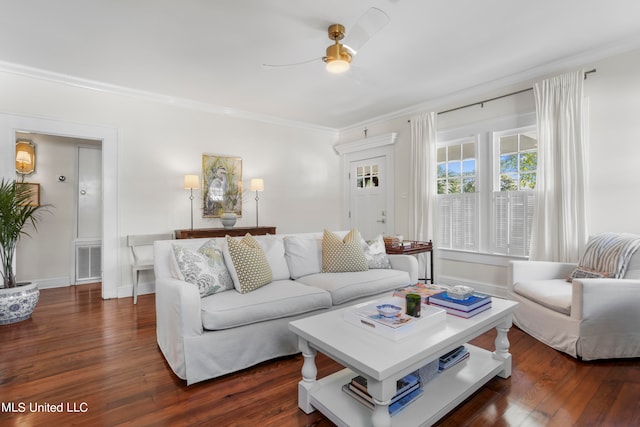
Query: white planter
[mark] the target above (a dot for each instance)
(17, 304)
(228, 219)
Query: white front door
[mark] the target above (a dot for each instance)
(368, 196)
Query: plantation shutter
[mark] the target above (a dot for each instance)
(458, 221)
(501, 222)
(513, 216)
(444, 222)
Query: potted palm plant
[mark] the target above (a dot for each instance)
(16, 301)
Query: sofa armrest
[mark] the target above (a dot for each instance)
(177, 309)
(537, 270)
(407, 263)
(606, 301)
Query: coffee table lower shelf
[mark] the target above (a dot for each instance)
(443, 393)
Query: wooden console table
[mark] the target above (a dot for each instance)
(221, 232)
(413, 249)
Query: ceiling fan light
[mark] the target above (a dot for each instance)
(337, 66)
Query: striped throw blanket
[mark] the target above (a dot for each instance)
(609, 253)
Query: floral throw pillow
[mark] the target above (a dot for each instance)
(217, 264)
(200, 270)
(375, 253)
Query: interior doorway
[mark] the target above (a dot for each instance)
(65, 249)
(110, 253)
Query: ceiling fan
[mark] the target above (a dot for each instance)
(338, 56)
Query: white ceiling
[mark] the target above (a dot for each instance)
(210, 52)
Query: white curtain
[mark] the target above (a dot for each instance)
(559, 229)
(422, 179)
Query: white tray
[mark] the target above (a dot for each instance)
(359, 315)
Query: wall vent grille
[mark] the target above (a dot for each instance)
(88, 262)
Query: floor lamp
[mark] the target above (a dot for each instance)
(191, 182)
(257, 184)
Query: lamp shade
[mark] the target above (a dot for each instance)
(257, 184)
(23, 157)
(191, 182)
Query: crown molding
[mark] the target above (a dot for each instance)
(366, 143)
(36, 73)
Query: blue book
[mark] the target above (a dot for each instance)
(474, 301)
(399, 405)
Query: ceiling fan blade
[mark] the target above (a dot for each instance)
(291, 65)
(372, 21)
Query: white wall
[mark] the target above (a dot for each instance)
(614, 153)
(158, 143)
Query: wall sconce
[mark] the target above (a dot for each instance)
(257, 184)
(191, 182)
(25, 157)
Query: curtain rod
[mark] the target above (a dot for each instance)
(481, 103)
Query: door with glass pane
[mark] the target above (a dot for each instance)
(368, 196)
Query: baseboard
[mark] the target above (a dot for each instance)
(126, 291)
(56, 282)
(486, 288)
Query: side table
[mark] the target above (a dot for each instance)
(412, 249)
(221, 232)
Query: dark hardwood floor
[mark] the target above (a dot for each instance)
(98, 361)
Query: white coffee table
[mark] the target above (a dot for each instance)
(383, 361)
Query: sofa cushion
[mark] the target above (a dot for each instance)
(554, 294)
(345, 287)
(250, 264)
(376, 253)
(273, 248)
(342, 255)
(206, 271)
(278, 299)
(303, 255)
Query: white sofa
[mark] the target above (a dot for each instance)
(594, 318)
(203, 338)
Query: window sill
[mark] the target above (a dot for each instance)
(477, 257)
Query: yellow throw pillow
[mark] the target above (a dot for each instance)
(342, 255)
(250, 263)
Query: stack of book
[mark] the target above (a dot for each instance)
(409, 388)
(466, 308)
(452, 358)
(425, 291)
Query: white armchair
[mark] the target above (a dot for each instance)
(587, 318)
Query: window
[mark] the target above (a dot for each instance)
(457, 195)
(485, 184)
(516, 159)
(367, 176)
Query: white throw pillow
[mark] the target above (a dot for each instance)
(273, 248)
(303, 255)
